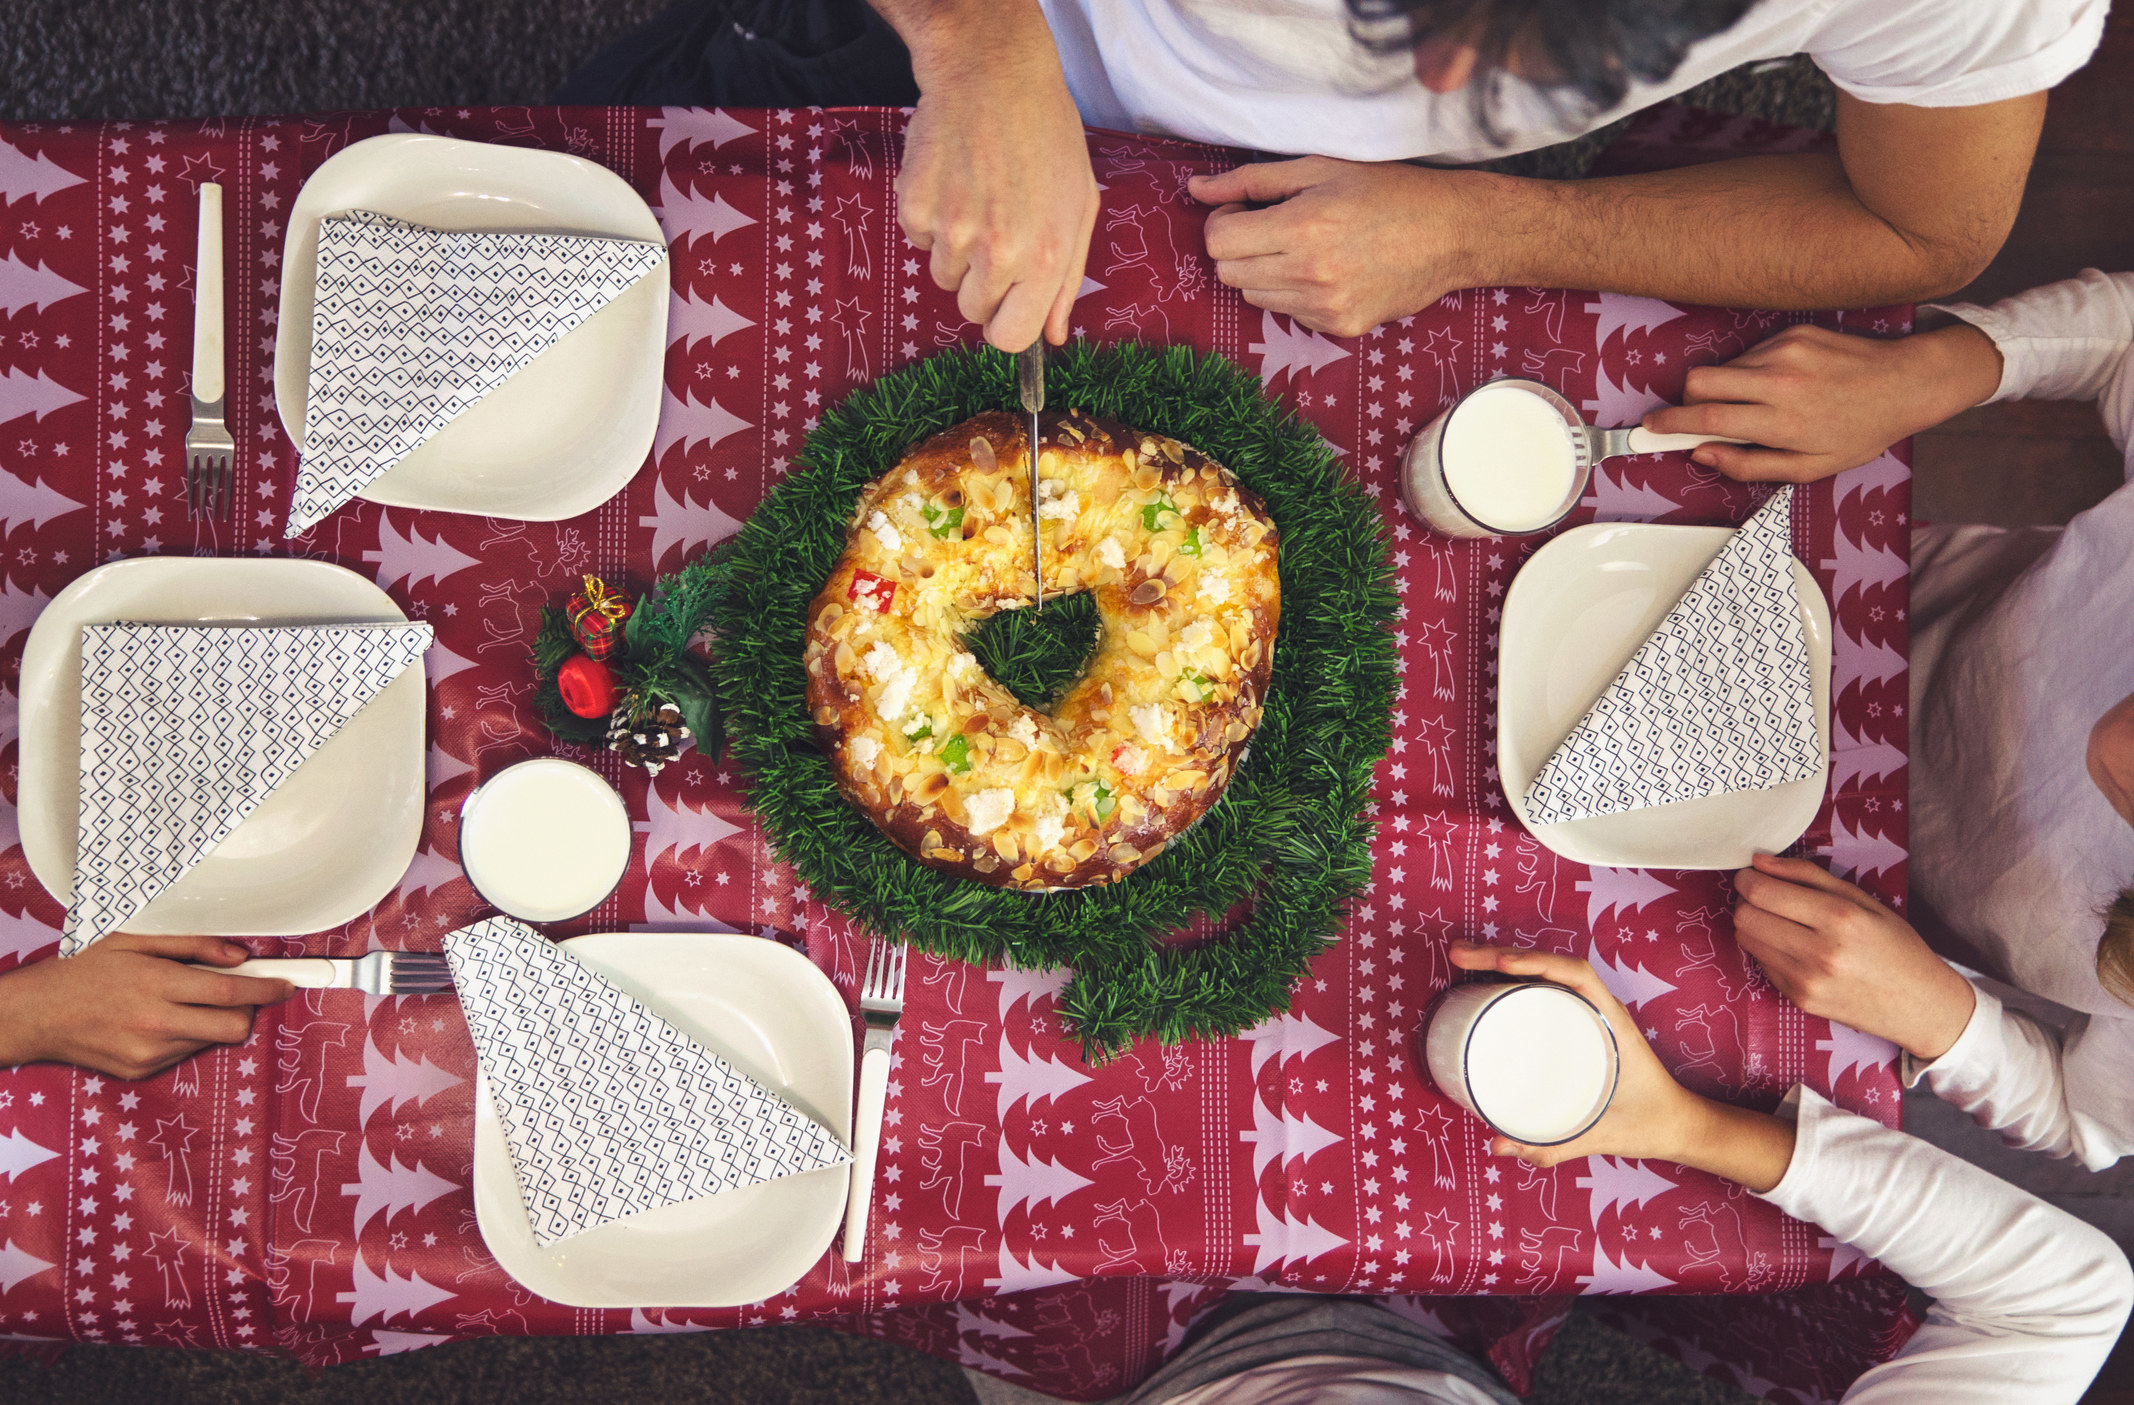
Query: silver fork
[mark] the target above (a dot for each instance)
(208, 445)
(881, 1006)
(379, 973)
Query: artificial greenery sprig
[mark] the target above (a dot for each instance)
(1272, 864)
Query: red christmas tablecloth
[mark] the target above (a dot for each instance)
(307, 1192)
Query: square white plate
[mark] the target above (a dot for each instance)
(769, 1012)
(327, 845)
(563, 435)
(1574, 615)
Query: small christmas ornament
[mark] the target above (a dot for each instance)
(597, 615)
(587, 686)
(649, 740)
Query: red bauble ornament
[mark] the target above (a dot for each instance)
(597, 615)
(587, 686)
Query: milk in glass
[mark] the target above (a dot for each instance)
(544, 840)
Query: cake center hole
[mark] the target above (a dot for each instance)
(1035, 654)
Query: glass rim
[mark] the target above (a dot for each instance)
(1615, 1058)
(1573, 422)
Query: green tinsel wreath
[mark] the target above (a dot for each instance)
(1268, 869)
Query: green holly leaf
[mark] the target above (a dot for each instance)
(698, 697)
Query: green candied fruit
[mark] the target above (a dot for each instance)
(1198, 687)
(956, 754)
(1191, 545)
(1152, 514)
(942, 521)
(1095, 797)
(919, 731)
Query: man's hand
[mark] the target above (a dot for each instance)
(1340, 246)
(996, 181)
(1651, 1114)
(129, 1006)
(1819, 402)
(1838, 953)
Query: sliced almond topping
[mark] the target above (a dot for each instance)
(1148, 592)
(1141, 642)
(1024, 873)
(932, 788)
(931, 839)
(844, 660)
(1082, 850)
(982, 457)
(1125, 853)
(1004, 844)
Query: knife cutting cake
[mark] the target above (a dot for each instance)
(1182, 562)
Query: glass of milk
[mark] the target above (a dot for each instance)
(1531, 1058)
(544, 840)
(1509, 458)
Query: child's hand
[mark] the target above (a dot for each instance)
(1651, 1114)
(129, 1006)
(1838, 953)
(1819, 402)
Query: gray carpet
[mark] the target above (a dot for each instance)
(94, 59)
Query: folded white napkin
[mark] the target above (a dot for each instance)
(410, 326)
(1718, 699)
(608, 1109)
(186, 728)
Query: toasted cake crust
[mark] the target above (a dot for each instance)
(1183, 563)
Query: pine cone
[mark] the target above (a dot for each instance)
(650, 740)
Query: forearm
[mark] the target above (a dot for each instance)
(1766, 231)
(21, 1035)
(1752, 1149)
(1008, 37)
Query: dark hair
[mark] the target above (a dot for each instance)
(1595, 48)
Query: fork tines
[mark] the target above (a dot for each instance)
(418, 972)
(885, 974)
(207, 483)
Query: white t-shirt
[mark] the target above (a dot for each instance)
(1288, 76)
(2021, 641)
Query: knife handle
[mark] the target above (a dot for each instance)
(207, 298)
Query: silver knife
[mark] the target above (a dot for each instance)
(1030, 373)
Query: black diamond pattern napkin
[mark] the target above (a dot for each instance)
(410, 326)
(1718, 699)
(608, 1109)
(186, 728)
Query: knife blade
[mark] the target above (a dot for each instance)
(1030, 375)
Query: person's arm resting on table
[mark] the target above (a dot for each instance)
(996, 183)
(1914, 204)
(1821, 402)
(2028, 1300)
(130, 1006)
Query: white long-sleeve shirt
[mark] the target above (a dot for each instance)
(2028, 1300)
(2021, 641)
